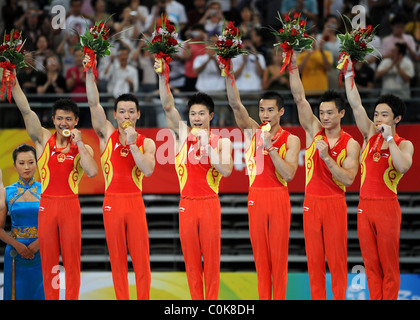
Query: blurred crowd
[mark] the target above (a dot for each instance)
(58, 63)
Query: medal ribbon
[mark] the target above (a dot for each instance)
(7, 83)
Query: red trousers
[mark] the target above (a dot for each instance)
(325, 229)
(269, 227)
(378, 227)
(59, 227)
(125, 225)
(199, 230)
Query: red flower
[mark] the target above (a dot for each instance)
(7, 37)
(157, 38)
(287, 18)
(228, 43)
(369, 30)
(231, 25)
(172, 41)
(16, 35)
(297, 15)
(294, 32)
(3, 47)
(18, 48)
(363, 45)
(302, 23)
(357, 38)
(305, 35)
(169, 27)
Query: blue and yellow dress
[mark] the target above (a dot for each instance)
(23, 277)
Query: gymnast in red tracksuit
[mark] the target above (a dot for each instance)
(272, 160)
(331, 164)
(202, 159)
(126, 157)
(385, 158)
(62, 160)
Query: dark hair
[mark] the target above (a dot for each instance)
(66, 105)
(23, 148)
(402, 48)
(127, 97)
(396, 104)
(272, 95)
(201, 98)
(334, 96)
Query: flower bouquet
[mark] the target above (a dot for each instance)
(292, 37)
(228, 46)
(94, 43)
(163, 45)
(354, 45)
(11, 57)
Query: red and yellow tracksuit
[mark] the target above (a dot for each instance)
(125, 217)
(59, 218)
(199, 217)
(269, 217)
(379, 219)
(325, 220)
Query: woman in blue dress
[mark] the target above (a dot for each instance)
(22, 262)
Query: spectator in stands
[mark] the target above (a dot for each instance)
(213, 18)
(127, 28)
(100, 10)
(396, 72)
(398, 35)
(273, 79)
(116, 7)
(12, 15)
(51, 81)
(76, 78)
(208, 73)
(177, 14)
(309, 9)
(76, 20)
(27, 76)
(42, 51)
(66, 50)
(140, 13)
(249, 69)
(30, 29)
(122, 77)
(248, 22)
(195, 14)
(194, 48)
(314, 65)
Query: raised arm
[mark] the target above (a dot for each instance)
(100, 124)
(241, 114)
(36, 132)
(307, 119)
(365, 125)
(173, 119)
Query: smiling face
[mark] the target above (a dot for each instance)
(329, 115)
(269, 111)
(126, 111)
(25, 165)
(200, 116)
(64, 120)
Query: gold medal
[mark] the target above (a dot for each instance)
(126, 124)
(195, 131)
(66, 132)
(376, 156)
(266, 127)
